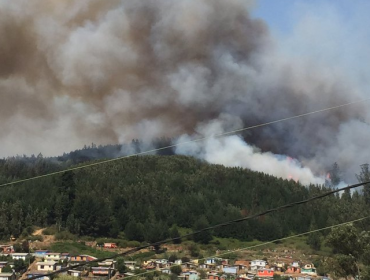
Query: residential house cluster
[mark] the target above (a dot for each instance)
(210, 268)
(219, 269)
(51, 261)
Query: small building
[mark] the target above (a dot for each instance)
(75, 273)
(257, 264)
(108, 263)
(265, 272)
(19, 256)
(293, 268)
(7, 276)
(39, 274)
(166, 271)
(130, 265)
(230, 269)
(213, 276)
(245, 277)
(3, 264)
(83, 258)
(213, 261)
(309, 269)
(40, 253)
(6, 249)
(45, 266)
(101, 271)
(189, 275)
(64, 256)
(110, 245)
(53, 257)
(242, 265)
(207, 266)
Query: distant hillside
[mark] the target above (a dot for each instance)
(144, 197)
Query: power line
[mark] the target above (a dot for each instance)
(185, 142)
(263, 244)
(133, 250)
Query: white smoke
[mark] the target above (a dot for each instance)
(233, 151)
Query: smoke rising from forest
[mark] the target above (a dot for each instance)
(76, 72)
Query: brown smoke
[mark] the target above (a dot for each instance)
(73, 72)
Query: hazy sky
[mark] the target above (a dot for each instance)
(76, 72)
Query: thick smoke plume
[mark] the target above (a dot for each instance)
(75, 72)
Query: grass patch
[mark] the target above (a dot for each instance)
(230, 243)
(75, 248)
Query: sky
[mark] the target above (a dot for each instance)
(282, 15)
(112, 71)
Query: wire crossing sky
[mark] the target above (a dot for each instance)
(187, 142)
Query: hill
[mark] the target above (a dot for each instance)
(146, 198)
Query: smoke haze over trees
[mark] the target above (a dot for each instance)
(148, 197)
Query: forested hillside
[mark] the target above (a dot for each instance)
(147, 197)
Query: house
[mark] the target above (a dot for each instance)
(213, 261)
(53, 257)
(242, 265)
(101, 271)
(206, 266)
(64, 256)
(108, 263)
(3, 264)
(130, 265)
(294, 268)
(75, 273)
(245, 277)
(82, 258)
(40, 253)
(148, 262)
(279, 267)
(7, 276)
(189, 266)
(257, 264)
(166, 271)
(39, 274)
(309, 269)
(161, 263)
(265, 272)
(304, 278)
(213, 276)
(230, 269)
(6, 249)
(19, 256)
(190, 275)
(110, 245)
(45, 266)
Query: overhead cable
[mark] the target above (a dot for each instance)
(136, 249)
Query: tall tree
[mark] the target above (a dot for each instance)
(203, 237)
(364, 176)
(335, 175)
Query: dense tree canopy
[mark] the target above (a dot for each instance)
(144, 197)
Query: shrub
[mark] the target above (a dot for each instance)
(50, 231)
(35, 237)
(65, 235)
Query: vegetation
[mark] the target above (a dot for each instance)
(75, 248)
(352, 252)
(143, 199)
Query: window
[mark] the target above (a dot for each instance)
(42, 266)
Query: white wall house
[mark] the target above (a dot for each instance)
(53, 257)
(45, 266)
(257, 264)
(19, 256)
